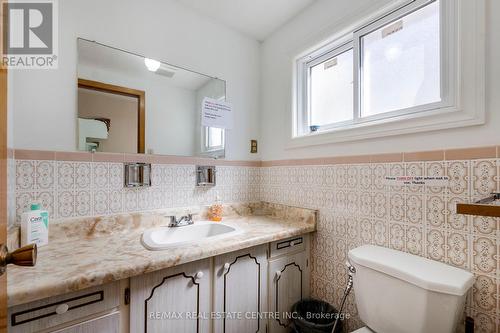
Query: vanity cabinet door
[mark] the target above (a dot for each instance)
(288, 283)
(173, 300)
(240, 291)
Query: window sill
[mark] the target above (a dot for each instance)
(434, 120)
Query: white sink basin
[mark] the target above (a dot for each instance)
(167, 237)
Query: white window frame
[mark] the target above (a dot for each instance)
(462, 77)
(206, 141)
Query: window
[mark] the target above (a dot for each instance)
(331, 88)
(399, 65)
(213, 139)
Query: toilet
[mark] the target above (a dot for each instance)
(397, 292)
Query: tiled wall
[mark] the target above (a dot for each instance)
(357, 207)
(75, 188)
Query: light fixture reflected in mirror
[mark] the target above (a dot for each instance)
(152, 64)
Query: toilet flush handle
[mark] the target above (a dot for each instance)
(350, 268)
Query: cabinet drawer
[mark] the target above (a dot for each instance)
(109, 323)
(293, 244)
(58, 310)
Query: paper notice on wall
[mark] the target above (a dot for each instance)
(440, 181)
(216, 113)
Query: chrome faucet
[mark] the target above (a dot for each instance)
(183, 221)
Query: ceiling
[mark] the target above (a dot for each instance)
(255, 18)
(99, 60)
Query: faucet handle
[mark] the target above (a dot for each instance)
(172, 218)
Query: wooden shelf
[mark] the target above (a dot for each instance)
(492, 210)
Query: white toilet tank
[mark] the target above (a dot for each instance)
(397, 292)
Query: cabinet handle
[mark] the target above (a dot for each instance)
(278, 274)
(226, 267)
(62, 308)
(199, 275)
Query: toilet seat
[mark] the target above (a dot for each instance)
(363, 330)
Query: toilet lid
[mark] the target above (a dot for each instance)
(363, 330)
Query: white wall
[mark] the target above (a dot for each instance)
(44, 101)
(315, 24)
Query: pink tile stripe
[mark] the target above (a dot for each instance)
(22, 154)
(435, 155)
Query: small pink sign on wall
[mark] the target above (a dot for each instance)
(441, 181)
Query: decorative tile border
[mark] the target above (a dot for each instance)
(22, 154)
(423, 156)
(420, 156)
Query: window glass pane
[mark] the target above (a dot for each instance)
(331, 90)
(401, 63)
(215, 137)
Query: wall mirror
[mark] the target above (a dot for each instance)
(131, 104)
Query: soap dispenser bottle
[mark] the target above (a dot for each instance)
(35, 226)
(215, 211)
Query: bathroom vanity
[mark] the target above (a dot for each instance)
(98, 277)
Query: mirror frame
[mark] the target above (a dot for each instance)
(141, 105)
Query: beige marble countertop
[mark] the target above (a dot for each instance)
(87, 252)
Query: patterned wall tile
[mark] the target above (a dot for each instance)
(436, 248)
(381, 233)
(415, 240)
(100, 175)
(415, 208)
(485, 255)
(45, 175)
(457, 222)
(83, 175)
(83, 203)
(459, 173)
(65, 204)
(435, 169)
(487, 226)
(397, 236)
(360, 208)
(457, 249)
(65, 176)
(68, 188)
(485, 322)
(25, 175)
(436, 210)
(485, 294)
(484, 177)
(415, 169)
(356, 207)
